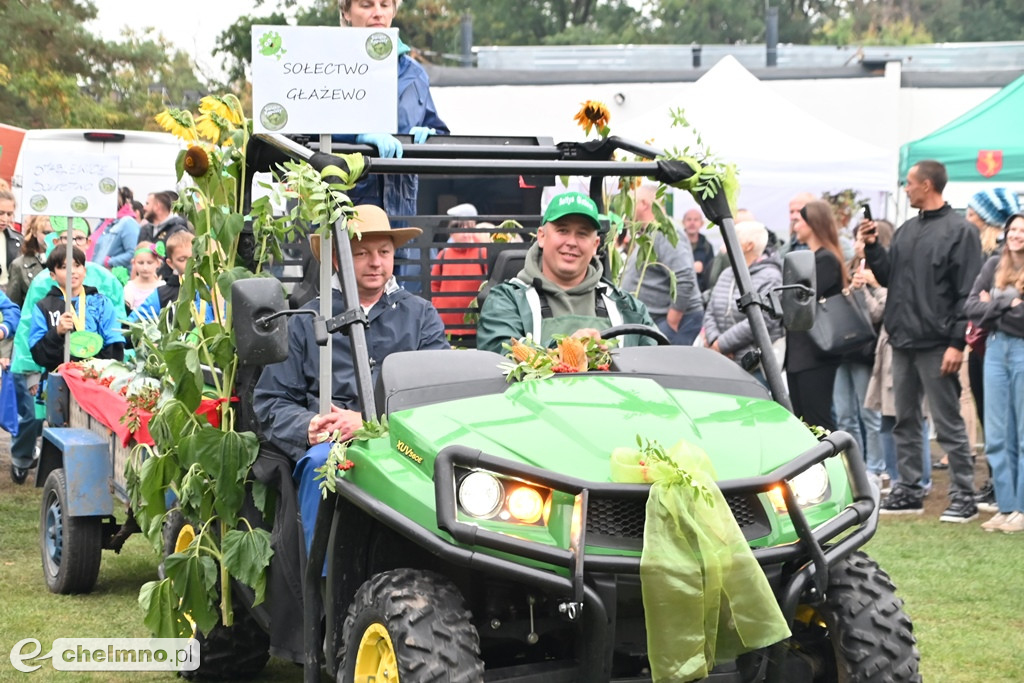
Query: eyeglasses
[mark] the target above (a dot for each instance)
(78, 239)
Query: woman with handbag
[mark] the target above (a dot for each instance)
(995, 304)
(811, 372)
(854, 373)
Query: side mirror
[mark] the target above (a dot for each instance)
(259, 340)
(799, 291)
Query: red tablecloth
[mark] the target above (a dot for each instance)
(108, 406)
(105, 405)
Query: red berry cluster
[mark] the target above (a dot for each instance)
(345, 466)
(563, 367)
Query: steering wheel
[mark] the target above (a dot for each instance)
(636, 328)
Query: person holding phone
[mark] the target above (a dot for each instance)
(929, 269)
(854, 373)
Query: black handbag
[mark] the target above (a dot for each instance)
(842, 323)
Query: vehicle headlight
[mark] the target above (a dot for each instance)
(481, 494)
(809, 488)
(525, 504)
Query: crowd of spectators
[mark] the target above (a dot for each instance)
(112, 274)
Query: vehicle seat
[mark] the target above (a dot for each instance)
(506, 266)
(409, 379)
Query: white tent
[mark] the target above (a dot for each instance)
(778, 147)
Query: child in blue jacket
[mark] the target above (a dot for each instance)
(92, 322)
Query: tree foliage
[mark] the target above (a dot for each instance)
(433, 27)
(56, 74)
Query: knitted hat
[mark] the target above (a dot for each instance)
(995, 206)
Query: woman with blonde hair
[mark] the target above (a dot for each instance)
(810, 372)
(988, 211)
(995, 305)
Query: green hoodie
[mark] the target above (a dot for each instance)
(507, 311)
(578, 300)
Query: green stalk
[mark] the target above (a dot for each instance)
(227, 614)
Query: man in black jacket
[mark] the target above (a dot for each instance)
(929, 270)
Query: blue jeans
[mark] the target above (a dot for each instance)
(688, 330)
(889, 450)
(309, 490)
(1004, 418)
(23, 446)
(851, 416)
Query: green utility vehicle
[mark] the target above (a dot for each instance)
(483, 537)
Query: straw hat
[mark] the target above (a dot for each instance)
(370, 220)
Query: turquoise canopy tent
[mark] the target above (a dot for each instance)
(985, 144)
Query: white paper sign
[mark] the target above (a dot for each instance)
(324, 79)
(69, 184)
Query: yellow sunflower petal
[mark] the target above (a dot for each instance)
(178, 122)
(212, 127)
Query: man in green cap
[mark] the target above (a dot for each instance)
(560, 288)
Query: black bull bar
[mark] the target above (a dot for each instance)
(810, 553)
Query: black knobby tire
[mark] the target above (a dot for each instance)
(174, 522)
(428, 625)
(870, 636)
(71, 547)
(238, 652)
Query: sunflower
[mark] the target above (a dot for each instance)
(178, 122)
(592, 113)
(213, 127)
(629, 183)
(197, 161)
(227, 107)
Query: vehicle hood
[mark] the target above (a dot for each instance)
(571, 424)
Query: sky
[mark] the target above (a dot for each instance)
(191, 25)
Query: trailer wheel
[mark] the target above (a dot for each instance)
(71, 546)
(860, 633)
(410, 626)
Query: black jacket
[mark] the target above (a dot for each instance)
(13, 238)
(999, 313)
(929, 270)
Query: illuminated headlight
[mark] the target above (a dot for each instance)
(809, 488)
(481, 494)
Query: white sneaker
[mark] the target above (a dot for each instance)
(876, 481)
(996, 522)
(1013, 524)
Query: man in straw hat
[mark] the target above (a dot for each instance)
(286, 399)
(560, 289)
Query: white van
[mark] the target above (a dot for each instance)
(146, 159)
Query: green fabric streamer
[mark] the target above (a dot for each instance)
(121, 273)
(706, 599)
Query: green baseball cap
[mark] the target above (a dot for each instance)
(570, 203)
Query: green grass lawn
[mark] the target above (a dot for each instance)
(963, 588)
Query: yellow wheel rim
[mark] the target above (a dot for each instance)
(185, 537)
(375, 658)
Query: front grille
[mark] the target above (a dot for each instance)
(623, 518)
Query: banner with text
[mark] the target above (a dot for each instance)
(324, 79)
(69, 184)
